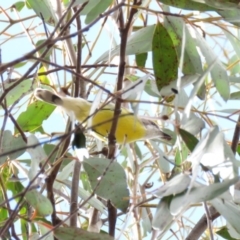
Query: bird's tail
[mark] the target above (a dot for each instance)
(153, 130)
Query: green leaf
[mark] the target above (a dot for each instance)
(72, 233)
(11, 143)
(232, 16)
(199, 193)
(43, 78)
(235, 95)
(160, 223)
(48, 148)
(44, 8)
(141, 59)
(21, 64)
(31, 120)
(189, 139)
(218, 72)
(223, 232)
(76, 3)
(164, 56)
(181, 154)
(40, 203)
(21, 90)
(192, 62)
(47, 57)
(139, 42)
(98, 8)
(113, 185)
(229, 210)
(19, 5)
(234, 62)
(188, 5)
(234, 42)
(176, 185)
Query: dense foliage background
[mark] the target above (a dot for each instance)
(181, 59)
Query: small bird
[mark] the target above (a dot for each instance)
(130, 128)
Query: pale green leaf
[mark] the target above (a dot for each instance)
(31, 120)
(40, 203)
(113, 185)
(73, 233)
(44, 8)
(164, 57)
(11, 143)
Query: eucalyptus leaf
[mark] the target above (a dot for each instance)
(218, 73)
(31, 120)
(229, 211)
(9, 145)
(176, 185)
(73, 233)
(164, 57)
(40, 203)
(44, 8)
(188, 5)
(37, 156)
(113, 185)
(138, 42)
(162, 218)
(191, 60)
(199, 194)
(18, 92)
(98, 8)
(83, 194)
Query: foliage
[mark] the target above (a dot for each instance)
(177, 63)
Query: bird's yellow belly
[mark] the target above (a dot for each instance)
(129, 128)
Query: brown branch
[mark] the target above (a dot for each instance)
(77, 81)
(124, 30)
(51, 178)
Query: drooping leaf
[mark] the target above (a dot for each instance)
(43, 78)
(83, 194)
(113, 185)
(189, 139)
(199, 193)
(18, 92)
(176, 185)
(164, 57)
(224, 233)
(159, 222)
(141, 59)
(45, 9)
(229, 211)
(72, 233)
(10, 144)
(31, 120)
(193, 124)
(19, 5)
(191, 61)
(231, 16)
(235, 95)
(98, 8)
(218, 72)
(234, 66)
(37, 156)
(188, 5)
(138, 42)
(40, 203)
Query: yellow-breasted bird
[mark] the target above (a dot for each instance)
(130, 128)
